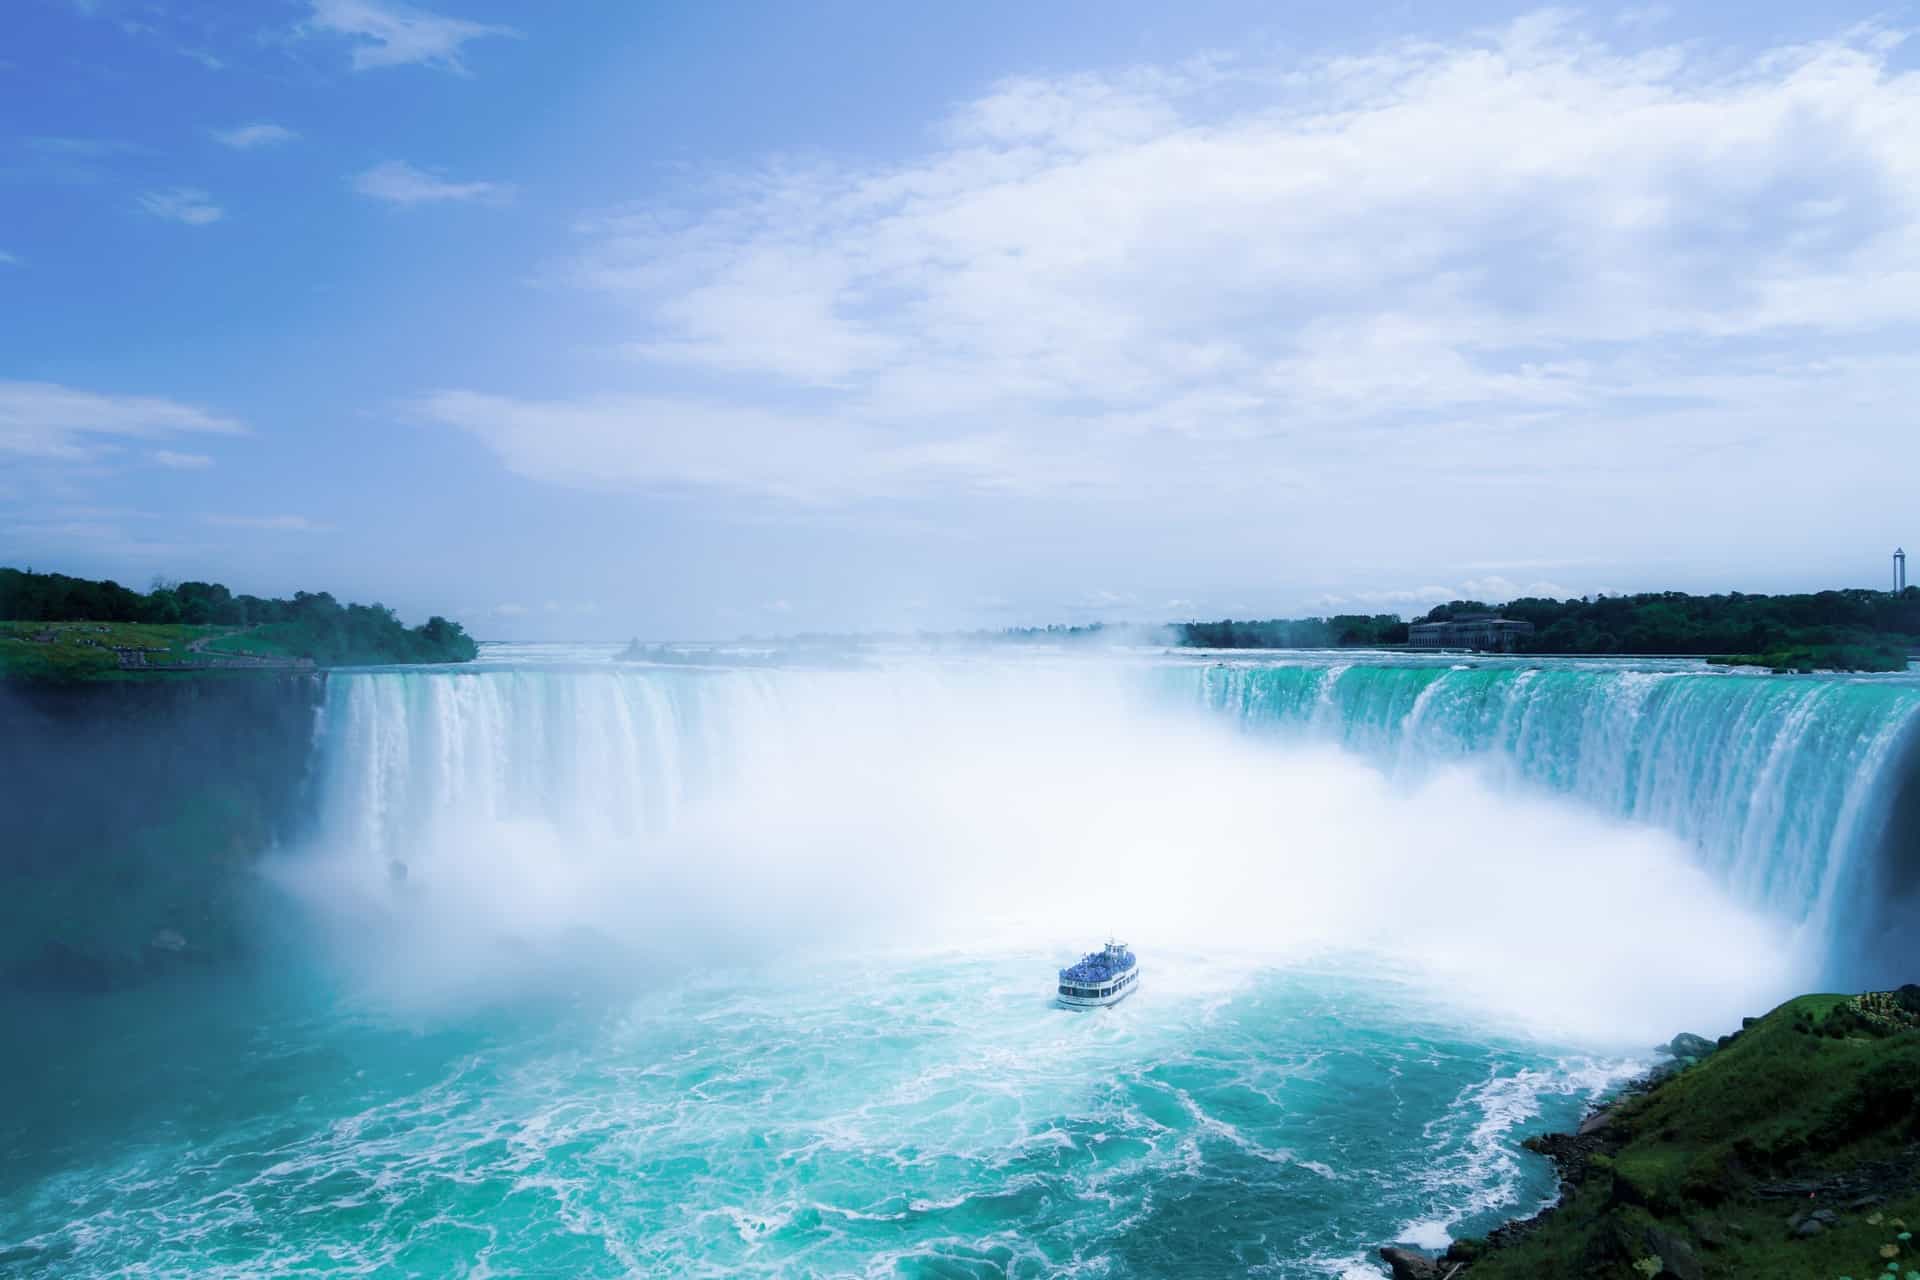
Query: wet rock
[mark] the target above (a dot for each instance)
(1808, 1223)
(1677, 1260)
(1688, 1045)
(1598, 1121)
(1410, 1264)
(1662, 1069)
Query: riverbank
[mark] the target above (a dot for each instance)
(67, 652)
(1789, 1148)
(60, 630)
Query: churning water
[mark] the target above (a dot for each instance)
(595, 970)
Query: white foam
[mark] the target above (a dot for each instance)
(724, 817)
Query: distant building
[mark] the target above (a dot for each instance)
(1470, 631)
(1899, 569)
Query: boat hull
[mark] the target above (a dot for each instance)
(1081, 996)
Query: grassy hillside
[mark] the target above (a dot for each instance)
(1791, 1151)
(89, 650)
(60, 628)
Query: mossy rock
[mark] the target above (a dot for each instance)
(1811, 1107)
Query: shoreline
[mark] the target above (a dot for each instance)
(1790, 1147)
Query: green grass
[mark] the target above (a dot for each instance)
(257, 642)
(1811, 1089)
(1830, 657)
(63, 652)
(85, 650)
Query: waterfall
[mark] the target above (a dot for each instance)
(1786, 789)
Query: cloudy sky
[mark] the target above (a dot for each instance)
(591, 320)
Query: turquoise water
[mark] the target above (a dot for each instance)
(585, 971)
(894, 1117)
(1773, 779)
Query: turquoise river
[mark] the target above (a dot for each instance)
(742, 966)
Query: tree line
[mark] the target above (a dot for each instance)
(1341, 631)
(1871, 630)
(1735, 623)
(310, 624)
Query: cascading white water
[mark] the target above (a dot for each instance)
(1382, 807)
(748, 971)
(1780, 784)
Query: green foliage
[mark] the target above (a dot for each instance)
(1342, 631)
(60, 652)
(1829, 657)
(316, 626)
(310, 625)
(1820, 1087)
(1852, 629)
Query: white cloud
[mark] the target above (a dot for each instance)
(620, 442)
(173, 461)
(509, 610)
(46, 420)
(1497, 265)
(183, 204)
(8, 259)
(250, 137)
(390, 35)
(398, 182)
(270, 524)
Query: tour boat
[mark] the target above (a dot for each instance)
(1101, 978)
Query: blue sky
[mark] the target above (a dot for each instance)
(591, 320)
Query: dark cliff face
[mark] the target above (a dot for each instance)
(133, 814)
(1879, 945)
